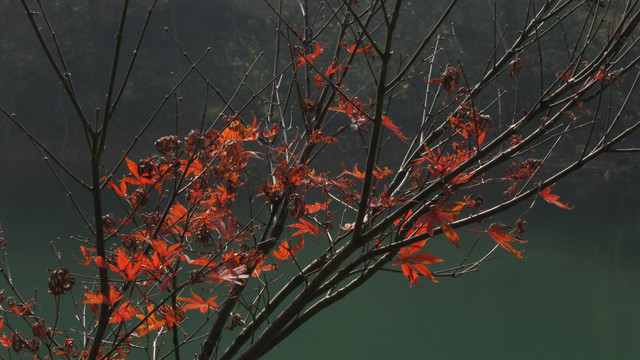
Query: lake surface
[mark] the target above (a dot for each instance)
(575, 294)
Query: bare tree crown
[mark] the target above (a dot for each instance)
(370, 136)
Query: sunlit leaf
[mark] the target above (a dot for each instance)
(553, 199)
(500, 233)
(413, 263)
(198, 303)
(386, 121)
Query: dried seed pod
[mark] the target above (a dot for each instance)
(61, 281)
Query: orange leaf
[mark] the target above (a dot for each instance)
(165, 252)
(310, 58)
(500, 233)
(386, 121)
(19, 308)
(177, 213)
(119, 190)
(125, 267)
(413, 263)
(133, 167)
(122, 313)
(317, 207)
(170, 316)
(304, 227)
(4, 340)
(449, 232)
(86, 259)
(152, 323)
(285, 251)
(355, 173)
(93, 299)
(438, 214)
(363, 49)
(198, 303)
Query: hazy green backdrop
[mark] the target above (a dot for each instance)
(575, 296)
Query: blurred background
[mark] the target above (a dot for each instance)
(574, 296)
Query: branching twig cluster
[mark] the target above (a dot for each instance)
(220, 219)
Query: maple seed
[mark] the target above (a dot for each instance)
(196, 277)
(515, 140)
(19, 344)
(139, 198)
(520, 226)
(474, 200)
(108, 223)
(40, 330)
(309, 106)
(146, 169)
(167, 145)
(449, 79)
(61, 281)
(194, 141)
(545, 122)
(515, 66)
(236, 320)
(520, 171)
(203, 236)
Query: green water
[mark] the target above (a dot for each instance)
(575, 295)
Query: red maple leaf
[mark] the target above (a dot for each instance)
(86, 259)
(94, 299)
(4, 340)
(386, 121)
(20, 308)
(501, 234)
(151, 322)
(354, 109)
(137, 179)
(285, 251)
(260, 267)
(119, 190)
(198, 303)
(170, 316)
(331, 69)
(413, 263)
(303, 227)
(310, 58)
(441, 165)
(442, 215)
(125, 267)
(122, 313)
(355, 173)
(165, 252)
(553, 199)
(449, 79)
(312, 208)
(363, 49)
